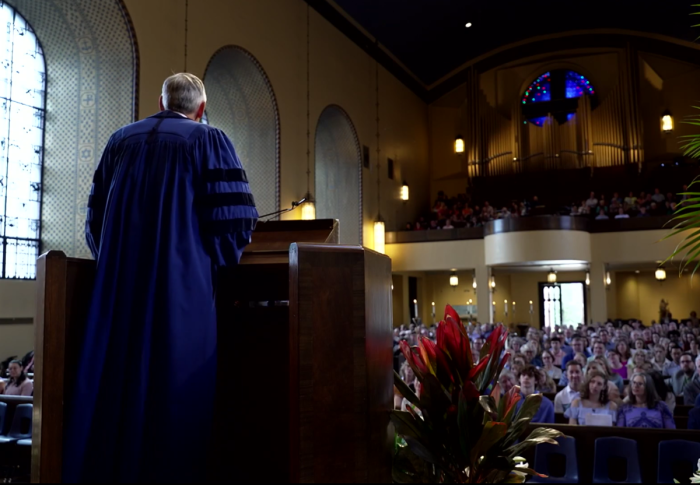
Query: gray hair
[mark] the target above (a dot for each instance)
(183, 93)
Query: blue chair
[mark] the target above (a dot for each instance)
(621, 448)
(543, 453)
(21, 428)
(673, 451)
(3, 415)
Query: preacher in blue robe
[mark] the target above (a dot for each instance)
(170, 203)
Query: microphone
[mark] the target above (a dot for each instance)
(282, 211)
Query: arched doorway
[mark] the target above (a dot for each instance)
(338, 180)
(241, 102)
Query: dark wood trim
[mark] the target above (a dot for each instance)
(47, 425)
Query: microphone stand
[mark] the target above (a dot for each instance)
(283, 211)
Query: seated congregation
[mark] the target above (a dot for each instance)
(623, 374)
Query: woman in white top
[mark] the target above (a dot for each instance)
(549, 368)
(593, 400)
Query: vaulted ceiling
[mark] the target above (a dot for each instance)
(430, 37)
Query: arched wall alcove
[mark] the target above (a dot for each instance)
(92, 70)
(338, 173)
(241, 102)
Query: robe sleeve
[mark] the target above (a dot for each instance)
(97, 200)
(226, 208)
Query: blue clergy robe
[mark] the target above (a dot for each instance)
(169, 204)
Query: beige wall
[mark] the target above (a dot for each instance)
(274, 31)
(16, 301)
(517, 247)
(639, 295)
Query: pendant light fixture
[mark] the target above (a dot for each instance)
(667, 122)
(404, 191)
(660, 273)
(454, 280)
(459, 144)
(308, 208)
(551, 276)
(379, 227)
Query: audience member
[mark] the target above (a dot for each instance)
(593, 399)
(552, 371)
(574, 374)
(528, 377)
(19, 384)
(692, 388)
(674, 365)
(684, 376)
(642, 408)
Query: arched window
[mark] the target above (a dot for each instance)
(22, 98)
(241, 102)
(338, 173)
(555, 92)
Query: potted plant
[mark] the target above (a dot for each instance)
(458, 426)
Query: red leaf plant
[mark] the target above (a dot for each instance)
(460, 425)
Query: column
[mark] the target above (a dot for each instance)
(483, 294)
(599, 294)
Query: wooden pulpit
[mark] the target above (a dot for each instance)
(305, 359)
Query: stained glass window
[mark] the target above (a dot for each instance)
(555, 92)
(577, 85)
(539, 91)
(22, 97)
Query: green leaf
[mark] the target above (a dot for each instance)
(539, 435)
(420, 450)
(405, 390)
(488, 403)
(530, 406)
(492, 433)
(405, 424)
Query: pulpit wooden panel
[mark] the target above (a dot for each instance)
(304, 375)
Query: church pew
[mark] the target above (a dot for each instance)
(12, 403)
(681, 410)
(647, 441)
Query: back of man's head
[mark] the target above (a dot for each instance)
(184, 93)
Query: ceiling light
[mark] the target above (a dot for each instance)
(551, 277)
(468, 24)
(660, 274)
(636, 271)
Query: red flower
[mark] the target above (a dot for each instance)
(414, 360)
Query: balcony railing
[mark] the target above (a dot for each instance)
(536, 223)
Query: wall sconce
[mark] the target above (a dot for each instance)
(608, 281)
(588, 278)
(308, 208)
(459, 144)
(505, 307)
(667, 122)
(404, 191)
(493, 282)
(379, 234)
(551, 276)
(474, 282)
(454, 280)
(660, 273)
